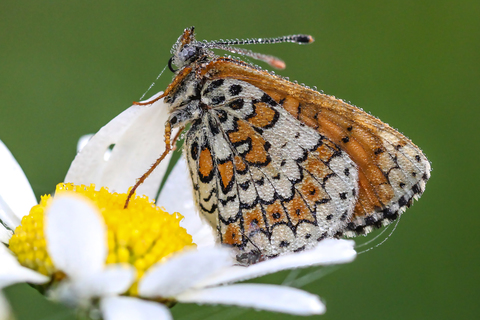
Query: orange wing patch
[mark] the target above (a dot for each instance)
(275, 213)
(253, 220)
(257, 153)
(205, 163)
(264, 116)
(316, 167)
(226, 173)
(290, 104)
(298, 210)
(239, 164)
(232, 234)
(312, 191)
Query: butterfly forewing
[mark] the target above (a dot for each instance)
(392, 170)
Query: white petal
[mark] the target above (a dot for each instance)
(12, 272)
(5, 310)
(112, 281)
(115, 279)
(137, 135)
(182, 271)
(177, 196)
(82, 142)
(5, 234)
(16, 195)
(328, 251)
(265, 297)
(76, 235)
(125, 308)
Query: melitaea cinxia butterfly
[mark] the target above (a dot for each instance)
(276, 166)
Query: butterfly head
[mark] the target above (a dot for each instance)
(186, 50)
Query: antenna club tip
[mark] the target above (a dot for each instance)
(305, 39)
(279, 64)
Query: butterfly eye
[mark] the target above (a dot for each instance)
(185, 56)
(187, 53)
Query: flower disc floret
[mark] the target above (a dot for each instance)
(140, 235)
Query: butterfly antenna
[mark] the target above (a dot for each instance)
(168, 147)
(271, 60)
(297, 38)
(153, 83)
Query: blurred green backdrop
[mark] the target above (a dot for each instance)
(67, 68)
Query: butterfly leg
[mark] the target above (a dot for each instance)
(168, 148)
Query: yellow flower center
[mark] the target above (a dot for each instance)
(140, 235)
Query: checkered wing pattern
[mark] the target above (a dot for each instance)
(262, 177)
(392, 171)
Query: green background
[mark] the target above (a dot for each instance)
(67, 68)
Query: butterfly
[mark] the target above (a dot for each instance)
(277, 167)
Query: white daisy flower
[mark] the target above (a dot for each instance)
(29, 259)
(16, 195)
(16, 199)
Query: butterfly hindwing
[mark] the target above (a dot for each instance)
(279, 183)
